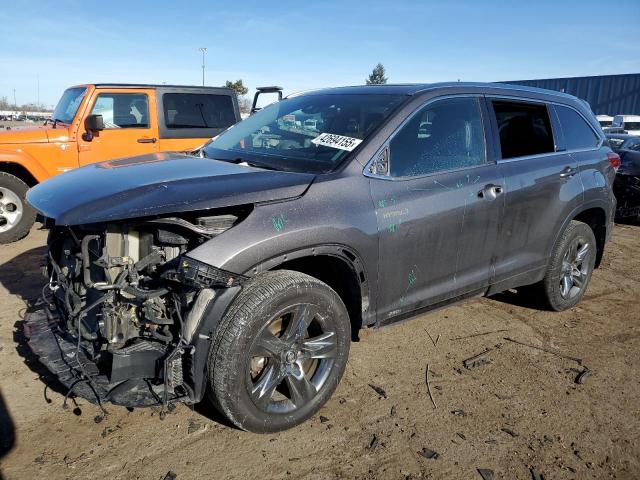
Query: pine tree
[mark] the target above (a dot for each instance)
(377, 76)
(238, 86)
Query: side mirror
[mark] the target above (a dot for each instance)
(93, 123)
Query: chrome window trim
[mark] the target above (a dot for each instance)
(478, 96)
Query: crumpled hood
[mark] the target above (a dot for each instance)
(158, 184)
(25, 135)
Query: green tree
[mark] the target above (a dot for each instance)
(377, 76)
(238, 86)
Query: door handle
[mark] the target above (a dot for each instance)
(147, 140)
(568, 172)
(490, 191)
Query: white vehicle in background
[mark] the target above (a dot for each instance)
(629, 123)
(604, 120)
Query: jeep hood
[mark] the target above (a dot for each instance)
(25, 135)
(158, 184)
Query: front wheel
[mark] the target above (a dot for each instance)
(569, 271)
(16, 215)
(279, 352)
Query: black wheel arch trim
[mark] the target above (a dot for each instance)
(591, 204)
(347, 254)
(203, 338)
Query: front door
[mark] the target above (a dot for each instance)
(439, 208)
(130, 127)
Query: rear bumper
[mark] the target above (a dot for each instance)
(58, 351)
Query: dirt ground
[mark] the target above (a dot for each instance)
(522, 410)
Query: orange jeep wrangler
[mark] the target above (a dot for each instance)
(99, 122)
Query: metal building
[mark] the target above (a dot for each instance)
(607, 94)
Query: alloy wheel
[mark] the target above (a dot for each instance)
(575, 268)
(291, 358)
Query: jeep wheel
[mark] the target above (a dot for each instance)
(16, 215)
(571, 266)
(279, 352)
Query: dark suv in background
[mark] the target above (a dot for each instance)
(244, 272)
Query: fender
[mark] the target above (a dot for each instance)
(224, 297)
(26, 161)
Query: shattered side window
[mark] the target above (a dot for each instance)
(443, 135)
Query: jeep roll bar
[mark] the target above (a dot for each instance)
(259, 90)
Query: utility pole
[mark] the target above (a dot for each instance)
(38, 78)
(204, 51)
(15, 104)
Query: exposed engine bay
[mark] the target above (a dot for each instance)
(128, 300)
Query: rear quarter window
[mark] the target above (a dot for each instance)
(577, 132)
(198, 110)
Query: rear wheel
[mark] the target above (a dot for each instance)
(280, 351)
(570, 269)
(16, 215)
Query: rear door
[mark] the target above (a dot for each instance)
(586, 146)
(542, 185)
(438, 207)
(130, 126)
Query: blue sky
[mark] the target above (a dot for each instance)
(301, 45)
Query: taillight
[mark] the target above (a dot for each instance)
(614, 160)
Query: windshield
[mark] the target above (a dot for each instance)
(632, 125)
(605, 123)
(68, 105)
(310, 133)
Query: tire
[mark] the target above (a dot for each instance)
(266, 376)
(16, 215)
(570, 268)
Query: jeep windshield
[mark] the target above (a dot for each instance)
(68, 105)
(310, 133)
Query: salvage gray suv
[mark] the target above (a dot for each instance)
(244, 271)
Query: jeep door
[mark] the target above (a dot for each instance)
(438, 207)
(542, 187)
(130, 126)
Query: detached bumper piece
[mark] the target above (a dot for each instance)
(123, 378)
(198, 274)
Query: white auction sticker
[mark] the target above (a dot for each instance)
(337, 141)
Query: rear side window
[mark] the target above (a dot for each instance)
(525, 129)
(443, 135)
(198, 110)
(577, 132)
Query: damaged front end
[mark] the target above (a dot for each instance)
(119, 317)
